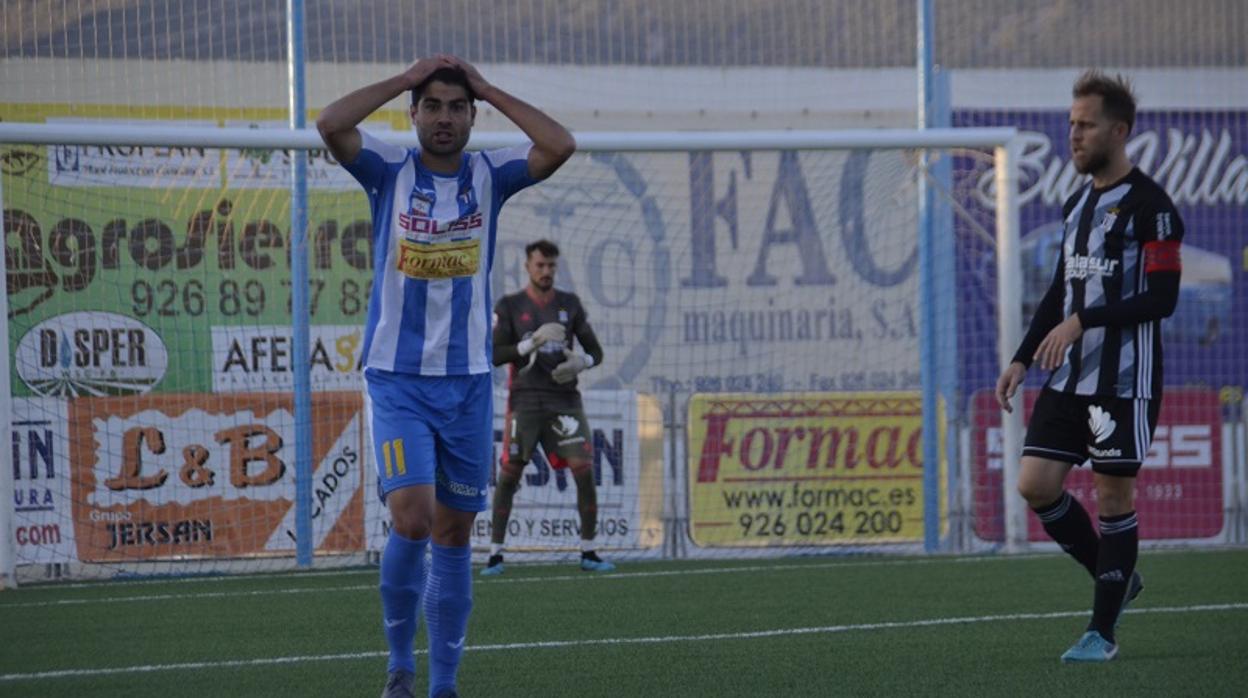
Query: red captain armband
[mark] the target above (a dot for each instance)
(1162, 255)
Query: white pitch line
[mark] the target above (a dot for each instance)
(511, 580)
(183, 597)
(614, 641)
(756, 568)
(192, 578)
(305, 574)
(840, 563)
(354, 571)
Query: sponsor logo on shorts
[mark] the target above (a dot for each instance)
(459, 488)
(1105, 453)
(566, 425)
(1101, 424)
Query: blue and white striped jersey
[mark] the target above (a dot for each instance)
(433, 246)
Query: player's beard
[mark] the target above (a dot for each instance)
(1094, 161)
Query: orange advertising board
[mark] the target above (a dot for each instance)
(177, 476)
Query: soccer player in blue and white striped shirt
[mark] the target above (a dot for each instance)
(427, 342)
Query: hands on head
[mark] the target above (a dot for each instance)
(420, 71)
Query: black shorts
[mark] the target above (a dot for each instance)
(1114, 433)
(556, 422)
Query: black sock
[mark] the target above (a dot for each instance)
(494, 560)
(590, 555)
(1068, 523)
(1120, 546)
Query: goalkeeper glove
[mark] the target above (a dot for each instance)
(572, 365)
(550, 332)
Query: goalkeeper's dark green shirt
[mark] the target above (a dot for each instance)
(517, 317)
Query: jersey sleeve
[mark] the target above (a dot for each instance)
(509, 168)
(1047, 316)
(1160, 231)
(584, 334)
(504, 335)
(580, 318)
(369, 167)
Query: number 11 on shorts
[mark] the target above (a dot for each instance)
(397, 461)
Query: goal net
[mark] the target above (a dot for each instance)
(736, 270)
(762, 300)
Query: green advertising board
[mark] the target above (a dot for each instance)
(106, 283)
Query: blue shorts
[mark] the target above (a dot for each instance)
(435, 430)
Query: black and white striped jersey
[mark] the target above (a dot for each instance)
(1119, 270)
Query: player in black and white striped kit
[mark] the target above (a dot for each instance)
(1098, 329)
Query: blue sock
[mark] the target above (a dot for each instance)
(448, 601)
(402, 580)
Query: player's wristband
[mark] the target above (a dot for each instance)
(525, 347)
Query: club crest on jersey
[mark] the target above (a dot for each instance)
(420, 203)
(1111, 216)
(467, 198)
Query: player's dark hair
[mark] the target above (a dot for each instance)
(1117, 98)
(546, 247)
(450, 76)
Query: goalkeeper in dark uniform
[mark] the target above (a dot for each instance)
(533, 332)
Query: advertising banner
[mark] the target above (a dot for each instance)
(1178, 491)
(189, 167)
(702, 272)
(125, 263)
(628, 474)
(806, 469)
(91, 353)
(184, 476)
(259, 358)
(43, 520)
(708, 272)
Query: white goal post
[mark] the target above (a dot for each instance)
(1004, 143)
